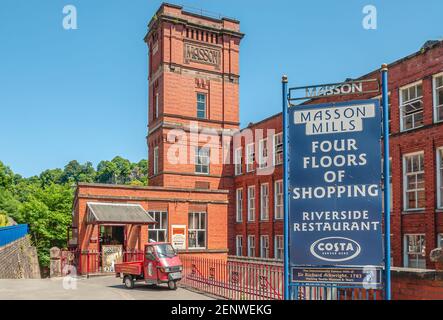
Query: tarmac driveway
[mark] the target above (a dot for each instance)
(94, 288)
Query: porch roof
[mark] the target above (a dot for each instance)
(117, 213)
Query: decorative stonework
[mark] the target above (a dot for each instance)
(202, 54)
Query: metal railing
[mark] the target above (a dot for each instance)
(230, 279)
(11, 233)
(233, 278)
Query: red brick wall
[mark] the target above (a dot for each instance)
(271, 227)
(410, 285)
(177, 202)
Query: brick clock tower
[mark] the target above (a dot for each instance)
(193, 89)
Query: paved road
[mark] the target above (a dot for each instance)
(95, 288)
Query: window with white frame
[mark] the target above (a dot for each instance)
(278, 149)
(263, 153)
(440, 240)
(413, 181)
(411, 106)
(238, 161)
(440, 178)
(278, 199)
(159, 231)
(239, 205)
(250, 157)
(201, 106)
(251, 246)
(438, 98)
(383, 184)
(197, 230)
(279, 247)
(264, 246)
(239, 245)
(202, 160)
(415, 251)
(264, 201)
(251, 203)
(155, 160)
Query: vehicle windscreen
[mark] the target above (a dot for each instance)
(165, 250)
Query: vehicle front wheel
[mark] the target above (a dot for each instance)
(129, 282)
(172, 285)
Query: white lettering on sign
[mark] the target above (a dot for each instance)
(338, 89)
(334, 120)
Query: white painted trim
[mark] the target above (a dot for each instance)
(116, 204)
(275, 198)
(237, 237)
(439, 165)
(247, 156)
(407, 86)
(405, 180)
(262, 237)
(236, 205)
(262, 164)
(400, 103)
(273, 148)
(247, 199)
(236, 161)
(405, 246)
(261, 199)
(434, 96)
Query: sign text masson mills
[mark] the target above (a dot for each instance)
(334, 179)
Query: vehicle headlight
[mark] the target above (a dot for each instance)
(167, 269)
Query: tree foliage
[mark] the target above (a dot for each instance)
(44, 202)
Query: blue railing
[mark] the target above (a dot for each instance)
(12, 233)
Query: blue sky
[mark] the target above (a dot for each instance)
(82, 94)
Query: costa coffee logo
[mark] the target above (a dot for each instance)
(335, 249)
(202, 54)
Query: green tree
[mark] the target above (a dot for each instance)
(72, 172)
(6, 176)
(106, 172)
(51, 176)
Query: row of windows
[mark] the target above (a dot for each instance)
(264, 202)
(411, 103)
(196, 228)
(413, 190)
(264, 246)
(264, 159)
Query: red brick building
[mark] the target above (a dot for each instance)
(193, 114)
(416, 150)
(223, 186)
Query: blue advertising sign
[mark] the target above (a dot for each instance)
(335, 208)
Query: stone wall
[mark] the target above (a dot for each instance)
(18, 260)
